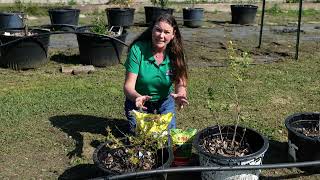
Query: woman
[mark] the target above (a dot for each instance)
(156, 71)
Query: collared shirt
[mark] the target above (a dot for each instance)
(153, 79)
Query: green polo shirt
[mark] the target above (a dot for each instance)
(153, 79)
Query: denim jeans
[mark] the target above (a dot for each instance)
(160, 107)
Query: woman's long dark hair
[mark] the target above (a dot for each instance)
(174, 48)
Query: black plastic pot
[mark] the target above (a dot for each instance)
(243, 14)
(301, 147)
(120, 16)
(165, 158)
(99, 50)
(11, 20)
(258, 144)
(64, 16)
(24, 52)
(152, 13)
(192, 17)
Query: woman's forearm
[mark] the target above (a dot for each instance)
(131, 94)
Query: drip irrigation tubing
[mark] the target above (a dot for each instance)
(212, 168)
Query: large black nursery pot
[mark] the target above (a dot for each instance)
(257, 143)
(98, 50)
(192, 17)
(25, 52)
(11, 20)
(120, 16)
(300, 146)
(243, 13)
(65, 19)
(153, 12)
(164, 160)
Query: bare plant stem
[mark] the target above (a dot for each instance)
(238, 117)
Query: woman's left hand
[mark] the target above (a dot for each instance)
(181, 100)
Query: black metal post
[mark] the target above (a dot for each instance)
(261, 24)
(298, 30)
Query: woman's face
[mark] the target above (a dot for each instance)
(162, 34)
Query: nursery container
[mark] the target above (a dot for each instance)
(243, 13)
(258, 144)
(99, 50)
(64, 18)
(120, 16)
(24, 52)
(164, 160)
(192, 17)
(152, 13)
(301, 147)
(11, 20)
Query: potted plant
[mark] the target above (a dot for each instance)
(148, 149)
(243, 13)
(120, 16)
(100, 46)
(231, 145)
(192, 17)
(159, 7)
(303, 138)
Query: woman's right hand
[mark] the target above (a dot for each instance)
(141, 100)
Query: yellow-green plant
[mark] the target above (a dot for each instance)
(144, 142)
(237, 64)
(99, 25)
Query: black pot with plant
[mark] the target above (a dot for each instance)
(99, 45)
(159, 7)
(304, 138)
(231, 145)
(21, 49)
(11, 20)
(121, 161)
(251, 149)
(100, 49)
(65, 19)
(243, 13)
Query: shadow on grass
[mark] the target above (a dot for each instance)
(66, 59)
(82, 171)
(74, 125)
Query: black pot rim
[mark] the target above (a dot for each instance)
(244, 6)
(262, 150)
(290, 119)
(193, 9)
(63, 10)
(12, 13)
(157, 7)
(120, 9)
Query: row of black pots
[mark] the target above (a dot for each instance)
(300, 148)
(27, 52)
(193, 17)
